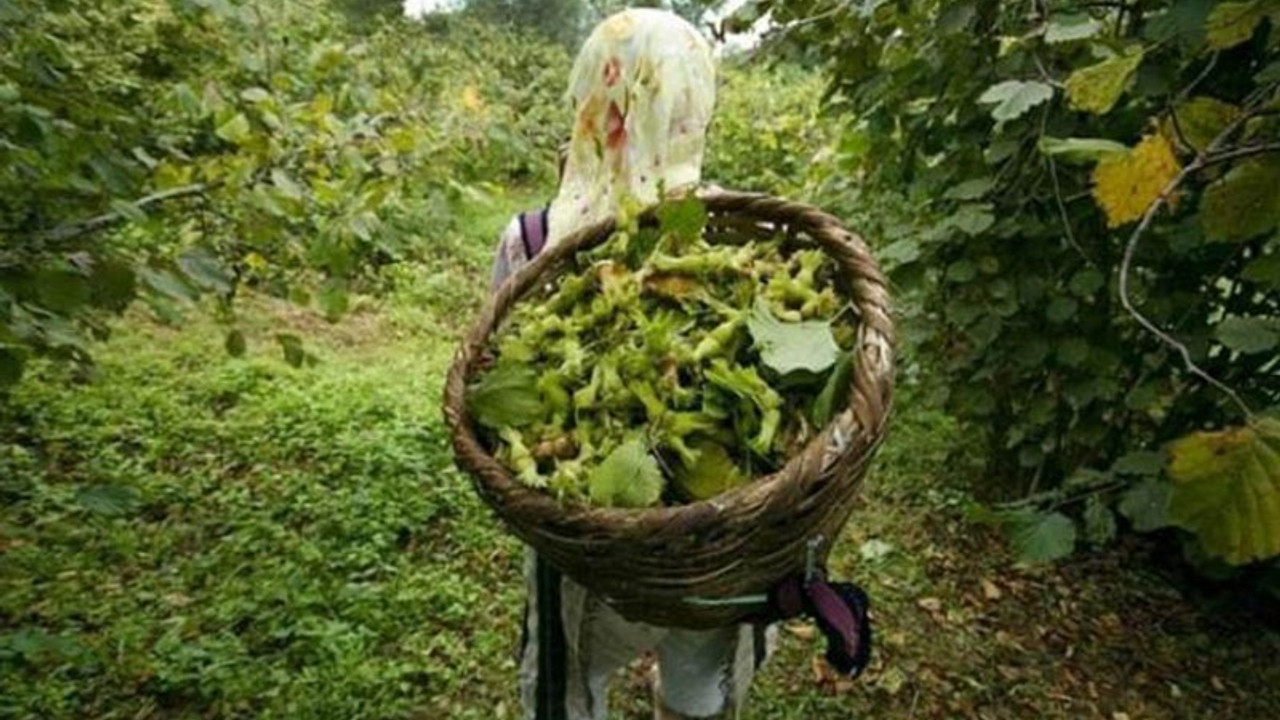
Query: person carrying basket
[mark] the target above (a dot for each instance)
(643, 87)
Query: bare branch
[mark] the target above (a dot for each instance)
(1241, 152)
(84, 227)
(1209, 156)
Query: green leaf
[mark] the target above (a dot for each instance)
(1269, 74)
(973, 189)
(1043, 537)
(1199, 121)
(1061, 309)
(255, 95)
(1096, 88)
(900, 252)
(1227, 490)
(236, 130)
(1232, 23)
(713, 474)
(1087, 479)
(12, 363)
(205, 271)
(62, 291)
(1147, 504)
(1182, 22)
(1079, 150)
(1244, 203)
(109, 500)
(286, 185)
(1073, 351)
(1013, 98)
(1069, 27)
(291, 346)
(235, 344)
(128, 210)
(962, 271)
(1139, 462)
(334, 301)
(628, 478)
(685, 218)
(835, 394)
(955, 17)
(1087, 282)
(1248, 335)
(790, 347)
(114, 284)
(973, 218)
(1264, 271)
(166, 283)
(506, 396)
(1099, 521)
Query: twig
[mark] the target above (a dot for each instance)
(83, 227)
(1126, 266)
(1241, 152)
(1057, 186)
(1062, 211)
(1208, 68)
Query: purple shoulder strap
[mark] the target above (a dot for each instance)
(533, 232)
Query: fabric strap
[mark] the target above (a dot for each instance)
(840, 611)
(550, 697)
(533, 232)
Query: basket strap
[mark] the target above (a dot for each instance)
(533, 232)
(840, 611)
(552, 660)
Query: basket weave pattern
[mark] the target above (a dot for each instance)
(650, 563)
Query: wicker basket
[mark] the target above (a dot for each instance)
(692, 565)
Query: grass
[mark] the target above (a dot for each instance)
(187, 535)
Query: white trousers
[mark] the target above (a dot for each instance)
(574, 643)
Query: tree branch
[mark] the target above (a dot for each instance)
(1209, 156)
(1241, 152)
(84, 227)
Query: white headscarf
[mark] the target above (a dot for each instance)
(644, 88)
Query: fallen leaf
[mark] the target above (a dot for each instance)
(990, 590)
(892, 681)
(933, 605)
(804, 632)
(874, 549)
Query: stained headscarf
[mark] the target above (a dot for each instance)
(644, 88)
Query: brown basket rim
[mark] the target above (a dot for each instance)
(501, 489)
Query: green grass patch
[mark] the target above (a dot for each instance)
(188, 535)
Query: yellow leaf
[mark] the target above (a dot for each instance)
(471, 99)
(1125, 184)
(1097, 87)
(1227, 490)
(255, 262)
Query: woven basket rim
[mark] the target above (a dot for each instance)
(568, 514)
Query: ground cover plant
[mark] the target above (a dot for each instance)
(238, 241)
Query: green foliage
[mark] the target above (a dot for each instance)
(997, 199)
(768, 133)
(173, 150)
(506, 396)
(791, 347)
(667, 335)
(231, 537)
(1226, 489)
(628, 478)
